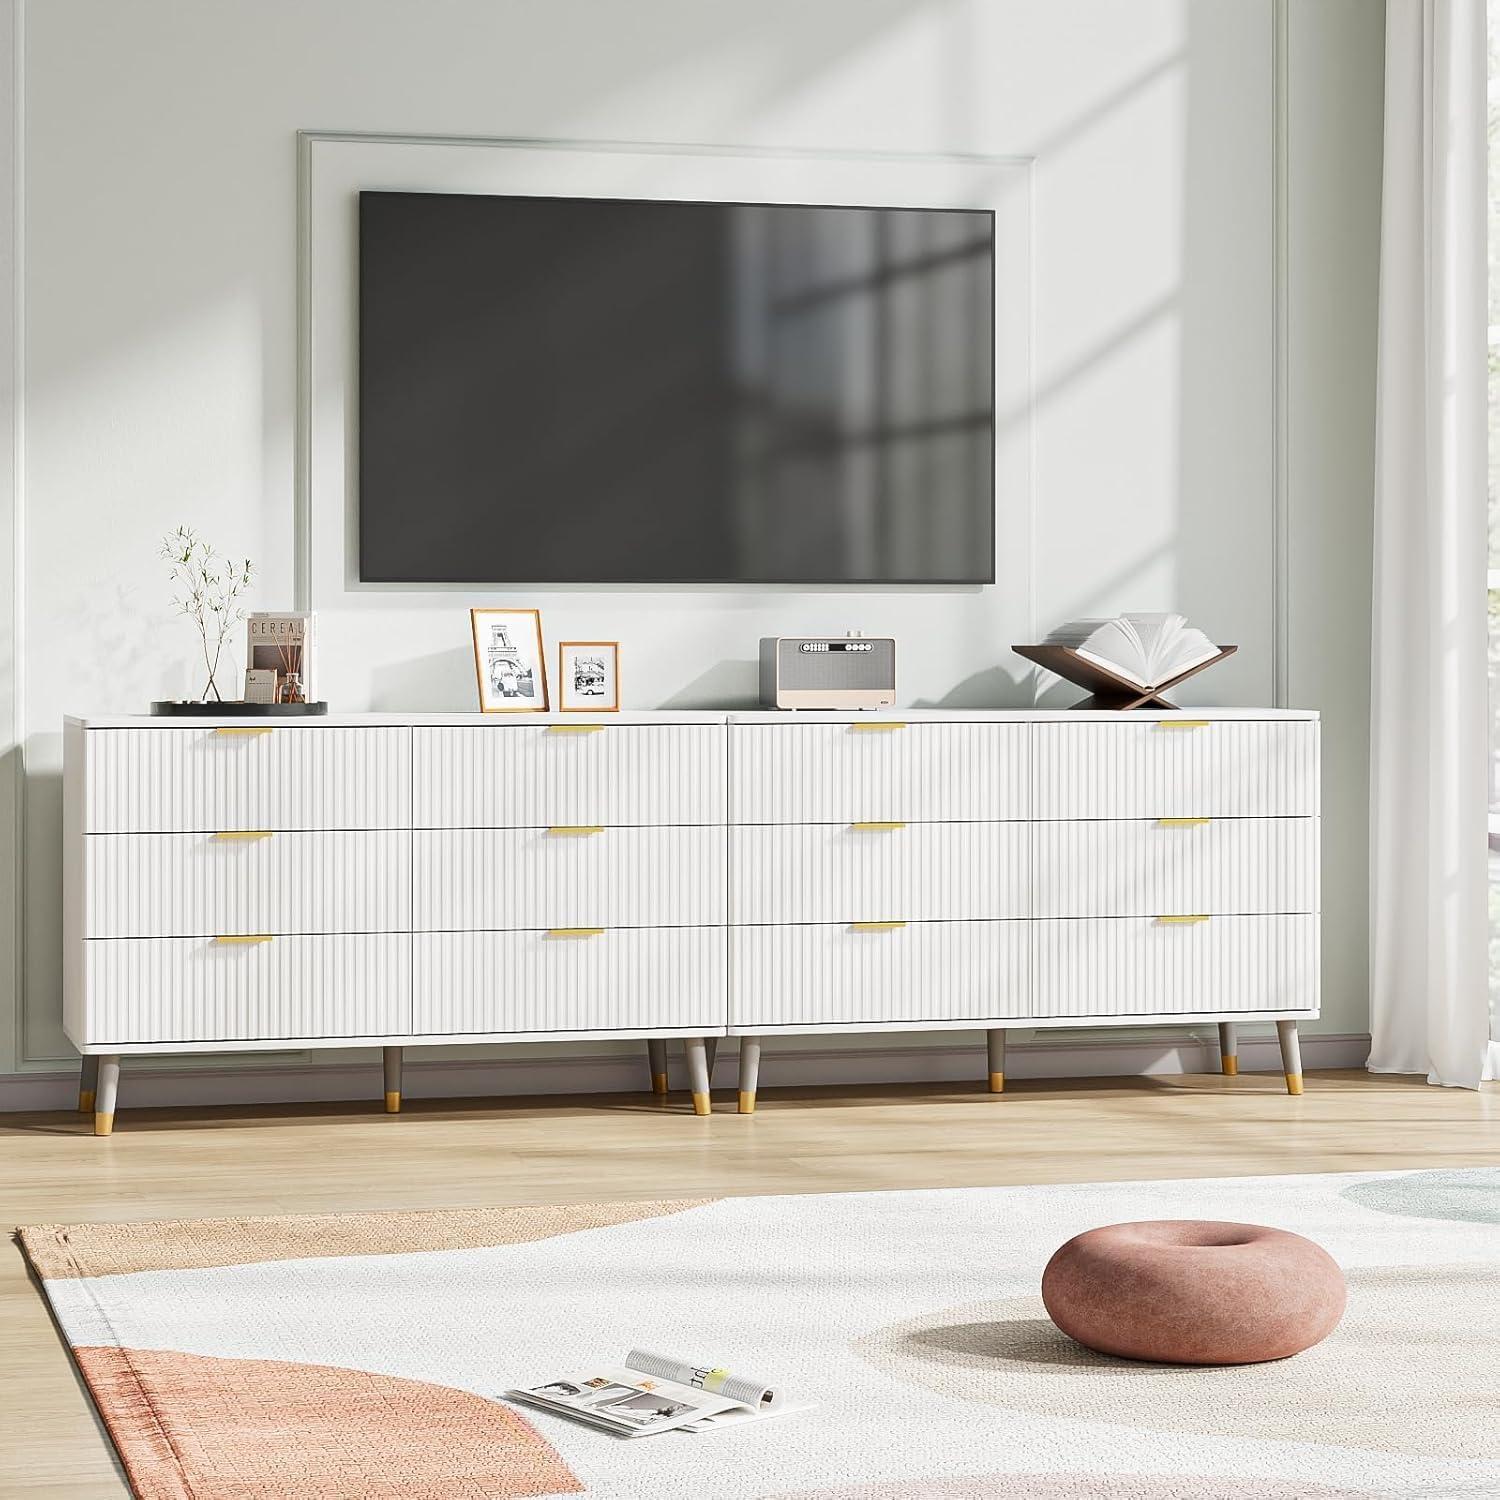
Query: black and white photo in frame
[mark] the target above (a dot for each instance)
(588, 677)
(508, 660)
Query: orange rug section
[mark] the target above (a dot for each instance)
(57, 1250)
(188, 1426)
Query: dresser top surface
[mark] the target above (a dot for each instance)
(749, 717)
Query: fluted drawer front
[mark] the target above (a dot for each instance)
(1226, 866)
(841, 773)
(201, 884)
(622, 979)
(177, 780)
(199, 990)
(824, 872)
(839, 975)
(569, 877)
(1140, 966)
(529, 776)
(1144, 769)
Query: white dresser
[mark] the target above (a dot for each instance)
(398, 880)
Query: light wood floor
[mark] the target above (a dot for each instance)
(203, 1163)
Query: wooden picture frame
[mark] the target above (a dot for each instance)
(602, 658)
(509, 661)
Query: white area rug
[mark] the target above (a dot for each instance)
(362, 1355)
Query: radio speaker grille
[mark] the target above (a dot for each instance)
(817, 671)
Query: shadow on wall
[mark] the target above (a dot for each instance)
(434, 683)
(728, 686)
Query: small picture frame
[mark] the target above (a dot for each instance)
(508, 663)
(588, 677)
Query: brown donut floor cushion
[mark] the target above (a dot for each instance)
(1194, 1292)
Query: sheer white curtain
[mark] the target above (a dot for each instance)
(1428, 835)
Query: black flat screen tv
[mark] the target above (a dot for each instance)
(583, 390)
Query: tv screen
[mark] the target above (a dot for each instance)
(567, 390)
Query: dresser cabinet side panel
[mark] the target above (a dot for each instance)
(75, 774)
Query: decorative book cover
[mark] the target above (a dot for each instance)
(281, 642)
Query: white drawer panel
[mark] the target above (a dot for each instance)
(198, 990)
(1225, 866)
(830, 872)
(179, 780)
(529, 877)
(529, 776)
(198, 884)
(626, 979)
(926, 971)
(842, 773)
(1145, 769)
(1128, 966)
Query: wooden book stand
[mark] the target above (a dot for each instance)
(1109, 690)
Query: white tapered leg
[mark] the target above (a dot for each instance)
(104, 1101)
(1291, 1055)
(1229, 1049)
(88, 1085)
(749, 1073)
(656, 1061)
(391, 1056)
(697, 1061)
(995, 1040)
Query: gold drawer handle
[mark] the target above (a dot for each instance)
(1183, 723)
(876, 827)
(1182, 822)
(249, 729)
(575, 831)
(879, 726)
(575, 932)
(243, 937)
(875, 926)
(1182, 921)
(226, 834)
(574, 728)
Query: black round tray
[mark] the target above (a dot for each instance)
(238, 710)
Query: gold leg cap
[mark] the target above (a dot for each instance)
(393, 1101)
(104, 1124)
(85, 1101)
(997, 1083)
(1230, 1065)
(700, 1104)
(1294, 1083)
(659, 1083)
(747, 1102)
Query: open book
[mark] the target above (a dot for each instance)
(1147, 650)
(652, 1393)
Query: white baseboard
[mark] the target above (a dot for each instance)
(786, 1062)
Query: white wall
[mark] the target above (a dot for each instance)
(157, 221)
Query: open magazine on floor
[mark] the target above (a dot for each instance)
(652, 1393)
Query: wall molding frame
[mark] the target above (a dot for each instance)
(787, 1065)
(305, 573)
(1281, 524)
(13, 1051)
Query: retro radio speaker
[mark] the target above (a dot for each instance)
(822, 671)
